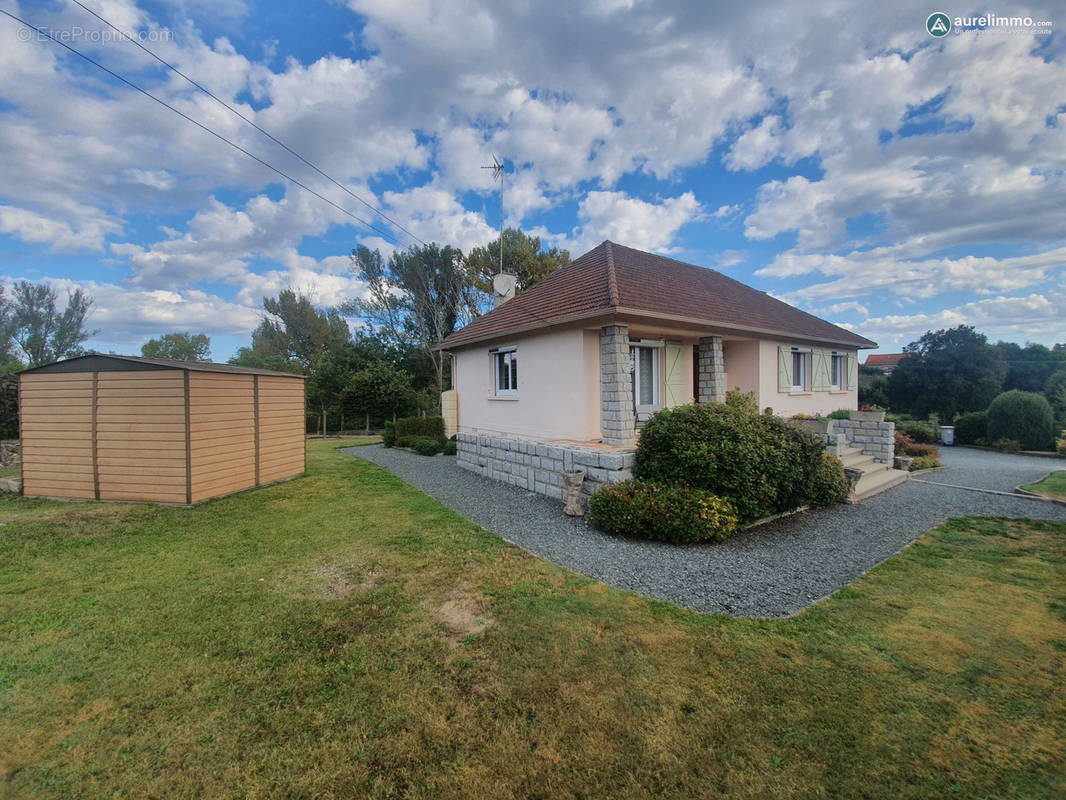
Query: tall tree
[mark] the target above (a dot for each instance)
(378, 392)
(40, 331)
(949, 372)
(179, 346)
(523, 256)
(419, 296)
(296, 329)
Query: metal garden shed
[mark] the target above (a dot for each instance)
(110, 427)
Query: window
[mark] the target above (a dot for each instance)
(836, 371)
(505, 371)
(799, 369)
(645, 378)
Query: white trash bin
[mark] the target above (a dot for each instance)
(947, 435)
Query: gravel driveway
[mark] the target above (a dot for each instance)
(773, 570)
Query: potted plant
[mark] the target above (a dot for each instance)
(868, 412)
(815, 423)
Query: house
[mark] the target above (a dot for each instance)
(111, 427)
(569, 369)
(885, 362)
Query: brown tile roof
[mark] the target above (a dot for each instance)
(613, 279)
(884, 359)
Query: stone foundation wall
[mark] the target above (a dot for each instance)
(538, 466)
(10, 452)
(875, 439)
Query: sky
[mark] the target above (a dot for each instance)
(835, 155)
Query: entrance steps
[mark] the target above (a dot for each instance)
(876, 477)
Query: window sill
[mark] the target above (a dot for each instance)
(839, 391)
(513, 397)
(799, 394)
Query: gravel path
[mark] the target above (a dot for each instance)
(983, 469)
(773, 570)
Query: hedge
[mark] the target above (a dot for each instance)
(388, 436)
(432, 427)
(830, 484)
(674, 514)
(758, 463)
(971, 427)
(424, 445)
(1022, 416)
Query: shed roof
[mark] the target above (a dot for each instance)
(109, 362)
(614, 279)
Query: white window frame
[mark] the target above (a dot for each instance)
(805, 369)
(656, 347)
(838, 362)
(501, 356)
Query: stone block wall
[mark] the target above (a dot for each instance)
(875, 439)
(710, 364)
(538, 466)
(10, 452)
(617, 423)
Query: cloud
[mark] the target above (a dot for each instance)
(631, 221)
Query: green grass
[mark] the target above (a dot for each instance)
(10, 471)
(1053, 486)
(342, 634)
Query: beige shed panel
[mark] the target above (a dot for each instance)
(126, 428)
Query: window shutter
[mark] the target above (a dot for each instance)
(820, 379)
(784, 369)
(675, 376)
(853, 370)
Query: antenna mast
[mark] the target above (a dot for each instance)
(498, 172)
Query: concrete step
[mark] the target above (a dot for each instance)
(872, 483)
(857, 460)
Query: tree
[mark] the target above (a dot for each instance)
(418, 297)
(523, 256)
(179, 346)
(42, 333)
(296, 329)
(1055, 392)
(1029, 367)
(379, 391)
(947, 371)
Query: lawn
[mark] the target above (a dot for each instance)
(342, 634)
(12, 471)
(1053, 486)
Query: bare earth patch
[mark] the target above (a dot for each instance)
(463, 614)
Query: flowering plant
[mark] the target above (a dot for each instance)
(870, 407)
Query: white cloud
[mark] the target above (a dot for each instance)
(631, 221)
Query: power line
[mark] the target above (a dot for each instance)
(266, 133)
(234, 145)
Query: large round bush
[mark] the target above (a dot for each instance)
(830, 484)
(673, 514)
(971, 427)
(759, 463)
(1025, 417)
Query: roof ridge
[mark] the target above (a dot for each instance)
(612, 280)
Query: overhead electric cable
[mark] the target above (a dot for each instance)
(266, 133)
(41, 32)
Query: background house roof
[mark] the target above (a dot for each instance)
(612, 278)
(108, 362)
(884, 359)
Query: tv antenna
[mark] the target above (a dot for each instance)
(498, 171)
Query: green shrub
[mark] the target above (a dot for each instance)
(1007, 445)
(742, 401)
(424, 445)
(830, 484)
(450, 447)
(1055, 392)
(674, 514)
(924, 462)
(432, 427)
(971, 427)
(759, 463)
(922, 432)
(1024, 416)
(388, 436)
(840, 413)
(905, 446)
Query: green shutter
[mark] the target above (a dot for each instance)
(675, 375)
(784, 369)
(820, 377)
(853, 370)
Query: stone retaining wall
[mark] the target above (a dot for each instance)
(10, 452)
(875, 439)
(538, 466)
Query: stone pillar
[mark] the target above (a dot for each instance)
(711, 366)
(617, 423)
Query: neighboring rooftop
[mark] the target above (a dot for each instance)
(884, 359)
(109, 362)
(614, 279)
